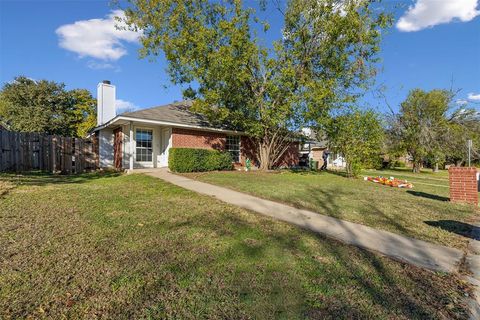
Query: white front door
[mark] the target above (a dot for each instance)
(165, 144)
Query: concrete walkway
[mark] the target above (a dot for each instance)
(413, 251)
(472, 263)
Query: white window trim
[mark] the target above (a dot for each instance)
(135, 147)
(239, 147)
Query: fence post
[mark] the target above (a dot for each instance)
(24, 151)
(46, 156)
(54, 154)
(16, 142)
(81, 153)
(9, 144)
(13, 151)
(40, 151)
(67, 154)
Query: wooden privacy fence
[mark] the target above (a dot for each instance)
(21, 151)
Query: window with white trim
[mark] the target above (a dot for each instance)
(233, 147)
(143, 138)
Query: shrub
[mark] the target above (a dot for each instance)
(196, 160)
(397, 164)
(400, 164)
(394, 164)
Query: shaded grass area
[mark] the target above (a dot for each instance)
(406, 212)
(122, 247)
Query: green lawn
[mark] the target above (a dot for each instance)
(131, 246)
(423, 212)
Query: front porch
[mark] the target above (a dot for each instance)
(136, 145)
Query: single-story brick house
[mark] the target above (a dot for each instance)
(142, 139)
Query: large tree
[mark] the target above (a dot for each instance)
(422, 125)
(268, 90)
(84, 113)
(429, 129)
(464, 125)
(43, 106)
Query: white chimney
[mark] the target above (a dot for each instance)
(105, 102)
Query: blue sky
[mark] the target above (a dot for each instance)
(434, 44)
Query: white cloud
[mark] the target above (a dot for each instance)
(474, 96)
(99, 65)
(428, 13)
(461, 102)
(97, 38)
(125, 106)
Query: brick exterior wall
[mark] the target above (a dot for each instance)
(317, 155)
(290, 157)
(186, 138)
(463, 185)
(247, 151)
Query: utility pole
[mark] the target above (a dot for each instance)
(469, 144)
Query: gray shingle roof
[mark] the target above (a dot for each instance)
(177, 112)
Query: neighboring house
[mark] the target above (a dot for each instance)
(313, 149)
(142, 139)
(336, 160)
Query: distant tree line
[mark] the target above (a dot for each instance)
(432, 131)
(28, 105)
(428, 130)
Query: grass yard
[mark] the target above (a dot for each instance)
(132, 246)
(423, 212)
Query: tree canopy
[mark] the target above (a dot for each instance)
(45, 106)
(429, 131)
(464, 125)
(325, 53)
(358, 136)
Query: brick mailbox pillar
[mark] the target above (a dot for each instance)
(463, 184)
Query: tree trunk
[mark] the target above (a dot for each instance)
(264, 157)
(271, 148)
(416, 167)
(435, 167)
(349, 169)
